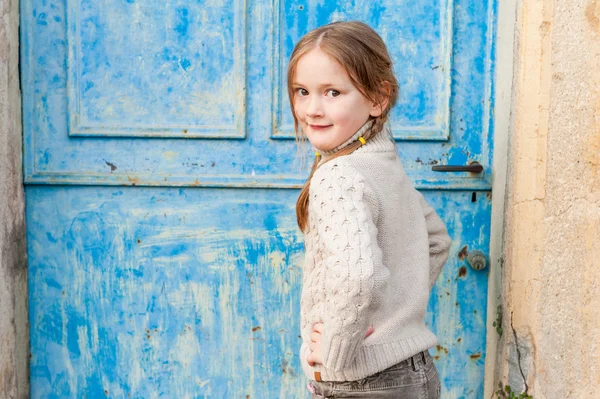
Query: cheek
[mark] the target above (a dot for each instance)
(299, 109)
(344, 116)
(347, 111)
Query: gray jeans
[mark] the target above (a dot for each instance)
(413, 378)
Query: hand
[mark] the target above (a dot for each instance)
(315, 355)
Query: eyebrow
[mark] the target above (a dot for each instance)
(321, 86)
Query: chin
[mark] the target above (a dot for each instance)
(317, 141)
(320, 145)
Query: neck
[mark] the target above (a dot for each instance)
(359, 133)
(379, 142)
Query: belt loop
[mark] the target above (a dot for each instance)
(412, 361)
(424, 357)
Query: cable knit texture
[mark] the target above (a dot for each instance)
(374, 249)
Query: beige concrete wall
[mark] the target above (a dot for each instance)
(551, 273)
(13, 266)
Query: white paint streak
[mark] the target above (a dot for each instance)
(86, 357)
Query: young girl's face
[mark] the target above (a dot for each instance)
(329, 108)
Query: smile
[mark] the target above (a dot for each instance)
(319, 127)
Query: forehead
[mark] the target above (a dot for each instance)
(316, 67)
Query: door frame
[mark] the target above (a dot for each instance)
(507, 14)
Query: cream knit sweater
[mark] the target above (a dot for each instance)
(374, 249)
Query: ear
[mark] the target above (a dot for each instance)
(384, 98)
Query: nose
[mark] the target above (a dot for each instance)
(314, 108)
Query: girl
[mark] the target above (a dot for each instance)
(374, 248)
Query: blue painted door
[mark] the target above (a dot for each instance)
(161, 178)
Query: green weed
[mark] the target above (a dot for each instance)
(507, 393)
(498, 322)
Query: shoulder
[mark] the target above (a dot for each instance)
(339, 180)
(337, 173)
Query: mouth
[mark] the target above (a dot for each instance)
(319, 127)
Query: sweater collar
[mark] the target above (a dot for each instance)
(382, 142)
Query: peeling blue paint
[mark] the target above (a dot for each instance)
(138, 272)
(130, 102)
(136, 286)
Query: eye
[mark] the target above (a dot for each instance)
(301, 92)
(333, 93)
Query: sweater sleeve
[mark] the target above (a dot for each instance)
(439, 240)
(352, 259)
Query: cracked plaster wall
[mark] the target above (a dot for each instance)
(13, 264)
(551, 273)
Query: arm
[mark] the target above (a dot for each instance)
(439, 240)
(352, 262)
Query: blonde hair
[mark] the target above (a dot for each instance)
(364, 56)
